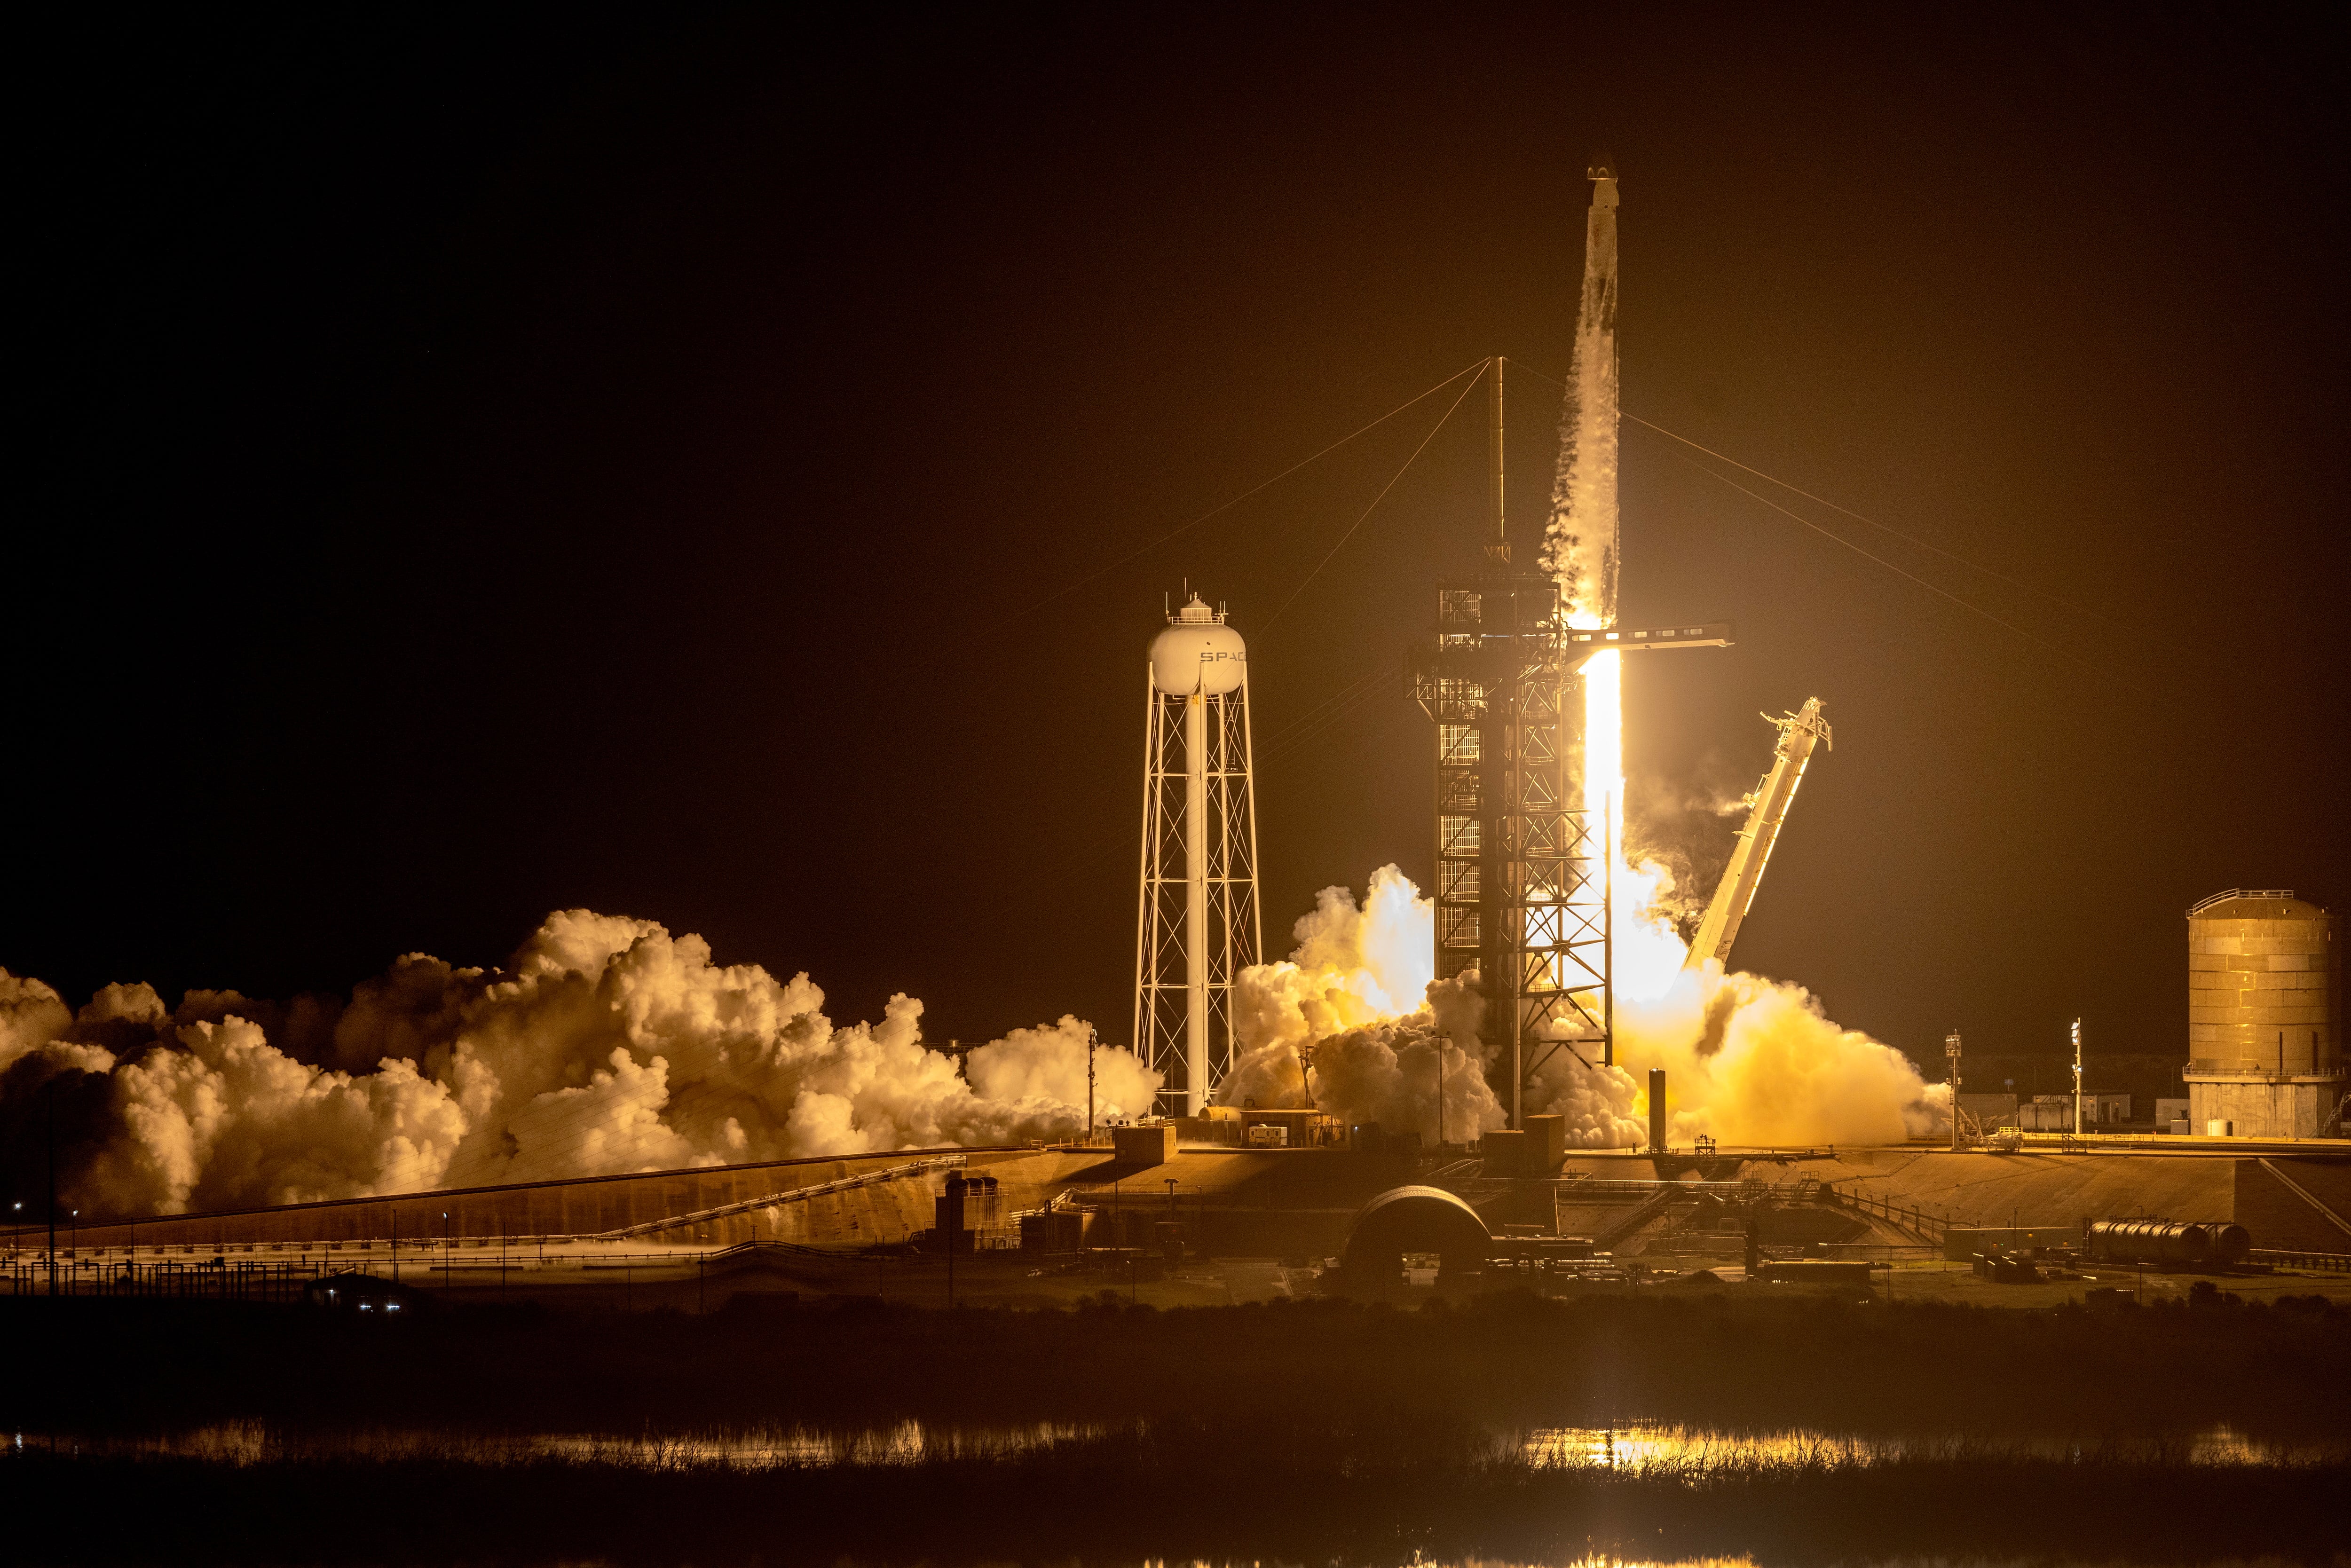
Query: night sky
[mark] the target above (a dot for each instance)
(695, 467)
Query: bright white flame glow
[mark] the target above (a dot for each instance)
(1648, 951)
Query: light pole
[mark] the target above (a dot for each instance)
(2077, 1078)
(1951, 1052)
(49, 1106)
(1089, 1082)
(444, 1250)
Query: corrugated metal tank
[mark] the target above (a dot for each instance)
(2168, 1242)
(2264, 986)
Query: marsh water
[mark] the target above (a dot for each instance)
(1786, 1435)
(1634, 1447)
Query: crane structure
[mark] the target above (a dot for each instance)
(1767, 809)
(1523, 878)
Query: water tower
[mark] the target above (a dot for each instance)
(1199, 926)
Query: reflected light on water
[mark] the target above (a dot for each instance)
(904, 1443)
(1635, 1448)
(1643, 1446)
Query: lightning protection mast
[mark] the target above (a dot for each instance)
(1199, 926)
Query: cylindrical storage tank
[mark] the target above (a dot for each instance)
(2226, 1242)
(2264, 986)
(2153, 1240)
(1198, 653)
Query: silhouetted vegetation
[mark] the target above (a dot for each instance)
(1235, 1489)
(94, 1367)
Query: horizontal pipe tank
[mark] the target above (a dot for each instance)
(2168, 1241)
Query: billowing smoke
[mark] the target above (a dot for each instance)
(603, 1045)
(1355, 1022)
(1749, 1060)
(1685, 829)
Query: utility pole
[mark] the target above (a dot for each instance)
(953, 1204)
(1440, 1094)
(2077, 1078)
(49, 1102)
(1951, 1053)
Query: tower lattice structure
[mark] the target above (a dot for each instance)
(1522, 866)
(1200, 924)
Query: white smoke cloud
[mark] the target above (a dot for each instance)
(1049, 1063)
(1752, 1060)
(1747, 1060)
(225, 1117)
(1358, 1006)
(604, 1045)
(32, 1014)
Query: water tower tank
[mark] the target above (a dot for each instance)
(1198, 653)
(2265, 1015)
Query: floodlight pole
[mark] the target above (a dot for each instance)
(49, 1104)
(2077, 1078)
(1951, 1053)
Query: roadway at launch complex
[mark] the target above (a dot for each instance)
(1204, 1225)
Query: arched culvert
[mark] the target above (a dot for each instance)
(1414, 1219)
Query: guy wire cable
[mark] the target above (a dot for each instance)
(1224, 506)
(1358, 523)
(2055, 598)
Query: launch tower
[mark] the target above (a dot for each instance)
(1523, 880)
(1521, 867)
(1199, 926)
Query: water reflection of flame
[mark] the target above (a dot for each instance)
(1647, 1447)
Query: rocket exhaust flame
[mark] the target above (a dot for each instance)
(1749, 1060)
(607, 1045)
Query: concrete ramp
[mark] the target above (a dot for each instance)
(1992, 1189)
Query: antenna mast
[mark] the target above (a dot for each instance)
(1498, 548)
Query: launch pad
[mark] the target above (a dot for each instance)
(1524, 851)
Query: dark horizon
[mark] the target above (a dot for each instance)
(480, 469)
